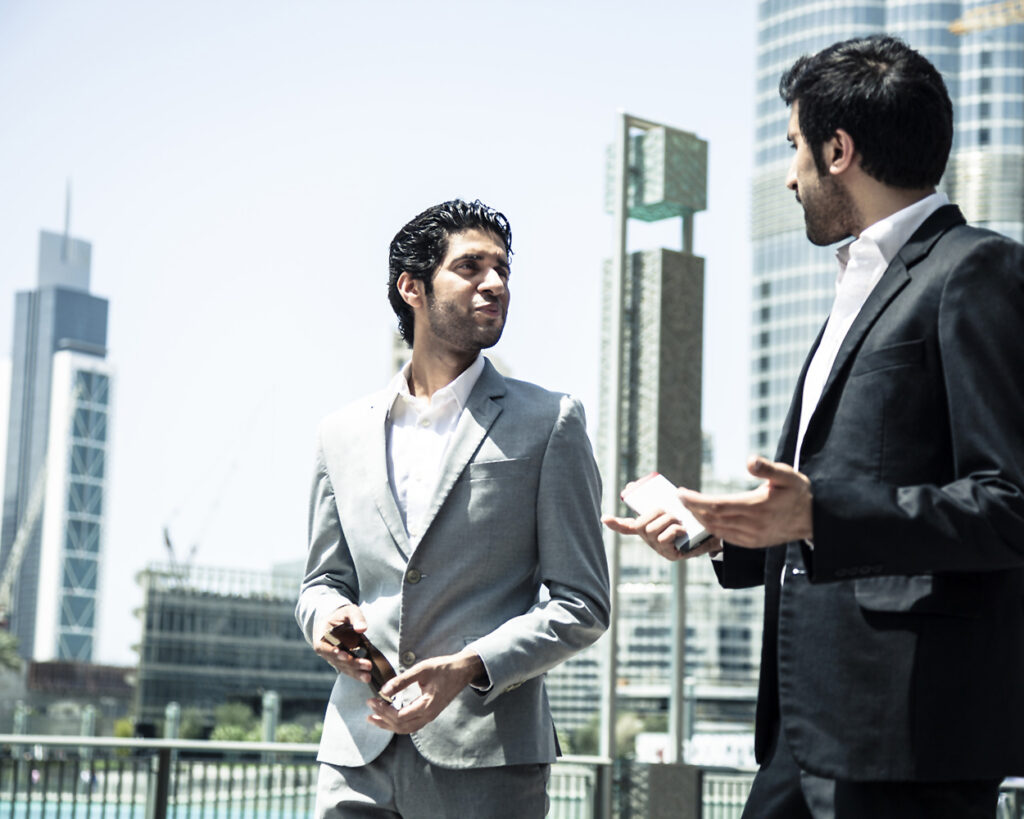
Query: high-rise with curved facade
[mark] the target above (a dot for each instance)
(793, 281)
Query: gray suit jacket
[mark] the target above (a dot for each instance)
(511, 563)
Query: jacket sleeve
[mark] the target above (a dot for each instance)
(740, 568)
(571, 565)
(330, 578)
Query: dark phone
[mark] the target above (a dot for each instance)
(347, 639)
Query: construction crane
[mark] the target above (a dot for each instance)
(994, 15)
(29, 521)
(28, 524)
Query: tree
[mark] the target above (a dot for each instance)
(194, 723)
(234, 722)
(9, 657)
(628, 724)
(291, 732)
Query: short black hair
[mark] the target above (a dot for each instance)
(886, 96)
(419, 248)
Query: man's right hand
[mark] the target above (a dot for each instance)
(660, 531)
(339, 659)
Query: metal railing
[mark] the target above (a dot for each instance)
(46, 777)
(49, 777)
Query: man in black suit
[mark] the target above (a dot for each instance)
(892, 669)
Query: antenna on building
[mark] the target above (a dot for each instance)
(67, 222)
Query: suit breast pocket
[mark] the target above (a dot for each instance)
(501, 494)
(511, 469)
(903, 354)
(884, 419)
(497, 502)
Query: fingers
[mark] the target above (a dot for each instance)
(401, 718)
(349, 613)
(343, 662)
(659, 530)
(624, 526)
(408, 720)
(711, 546)
(339, 659)
(773, 471)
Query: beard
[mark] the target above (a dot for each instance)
(451, 325)
(829, 212)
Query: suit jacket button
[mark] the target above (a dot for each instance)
(413, 576)
(408, 658)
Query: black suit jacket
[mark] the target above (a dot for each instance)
(894, 650)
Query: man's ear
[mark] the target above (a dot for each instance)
(839, 152)
(410, 289)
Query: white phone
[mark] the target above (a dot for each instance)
(655, 491)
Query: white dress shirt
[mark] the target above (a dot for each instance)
(419, 430)
(861, 265)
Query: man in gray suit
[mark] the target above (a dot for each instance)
(454, 522)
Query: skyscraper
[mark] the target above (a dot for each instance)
(659, 314)
(57, 444)
(793, 281)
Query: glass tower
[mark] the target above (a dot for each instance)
(55, 469)
(793, 281)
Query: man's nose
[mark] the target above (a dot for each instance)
(791, 176)
(493, 281)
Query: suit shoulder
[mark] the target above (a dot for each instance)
(977, 251)
(526, 396)
(344, 417)
(970, 239)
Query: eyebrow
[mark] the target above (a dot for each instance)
(477, 256)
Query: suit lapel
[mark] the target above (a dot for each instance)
(481, 410)
(787, 441)
(380, 485)
(895, 278)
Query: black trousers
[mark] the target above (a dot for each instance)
(782, 791)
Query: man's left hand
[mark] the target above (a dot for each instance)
(778, 511)
(440, 679)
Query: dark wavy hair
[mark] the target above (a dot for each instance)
(419, 248)
(886, 96)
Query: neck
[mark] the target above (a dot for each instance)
(877, 202)
(432, 369)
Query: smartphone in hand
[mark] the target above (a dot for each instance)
(353, 642)
(655, 491)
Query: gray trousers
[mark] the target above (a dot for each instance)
(401, 783)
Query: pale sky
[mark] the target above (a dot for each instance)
(240, 166)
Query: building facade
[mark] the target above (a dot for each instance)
(55, 469)
(212, 636)
(793, 281)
